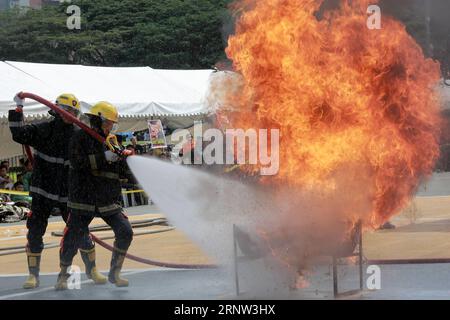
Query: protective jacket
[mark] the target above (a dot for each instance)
(50, 141)
(94, 183)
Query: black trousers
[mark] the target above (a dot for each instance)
(78, 229)
(37, 222)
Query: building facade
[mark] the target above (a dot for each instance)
(35, 4)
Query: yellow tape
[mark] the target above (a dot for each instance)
(133, 191)
(24, 193)
(17, 193)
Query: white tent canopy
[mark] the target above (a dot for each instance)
(177, 96)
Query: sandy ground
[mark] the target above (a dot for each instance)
(422, 231)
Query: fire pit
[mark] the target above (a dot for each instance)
(253, 247)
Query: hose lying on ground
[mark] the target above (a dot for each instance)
(154, 262)
(134, 224)
(13, 250)
(21, 249)
(105, 227)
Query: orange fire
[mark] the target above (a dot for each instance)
(356, 108)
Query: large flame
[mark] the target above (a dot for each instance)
(352, 104)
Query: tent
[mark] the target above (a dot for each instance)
(140, 93)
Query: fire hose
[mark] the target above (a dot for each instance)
(98, 137)
(63, 113)
(21, 249)
(99, 241)
(103, 227)
(154, 262)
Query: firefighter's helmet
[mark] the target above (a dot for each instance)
(68, 100)
(105, 111)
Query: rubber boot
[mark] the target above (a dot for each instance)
(117, 259)
(92, 273)
(61, 283)
(34, 261)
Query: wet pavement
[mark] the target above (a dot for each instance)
(425, 281)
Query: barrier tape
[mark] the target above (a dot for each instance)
(133, 191)
(16, 193)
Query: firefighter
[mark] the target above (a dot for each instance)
(48, 188)
(95, 191)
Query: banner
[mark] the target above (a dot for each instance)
(157, 137)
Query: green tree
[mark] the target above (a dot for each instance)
(165, 33)
(162, 34)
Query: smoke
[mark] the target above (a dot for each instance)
(287, 226)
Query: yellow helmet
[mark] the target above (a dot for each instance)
(105, 110)
(68, 100)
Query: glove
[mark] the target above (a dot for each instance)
(111, 156)
(18, 101)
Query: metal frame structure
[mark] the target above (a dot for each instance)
(358, 254)
(336, 293)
